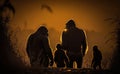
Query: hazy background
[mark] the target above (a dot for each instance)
(88, 15)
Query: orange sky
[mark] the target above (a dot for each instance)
(88, 15)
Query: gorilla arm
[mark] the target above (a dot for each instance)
(48, 49)
(84, 44)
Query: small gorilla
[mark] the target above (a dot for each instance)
(97, 57)
(60, 57)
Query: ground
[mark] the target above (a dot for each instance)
(59, 71)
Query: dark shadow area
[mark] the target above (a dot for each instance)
(8, 59)
(59, 71)
(115, 65)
